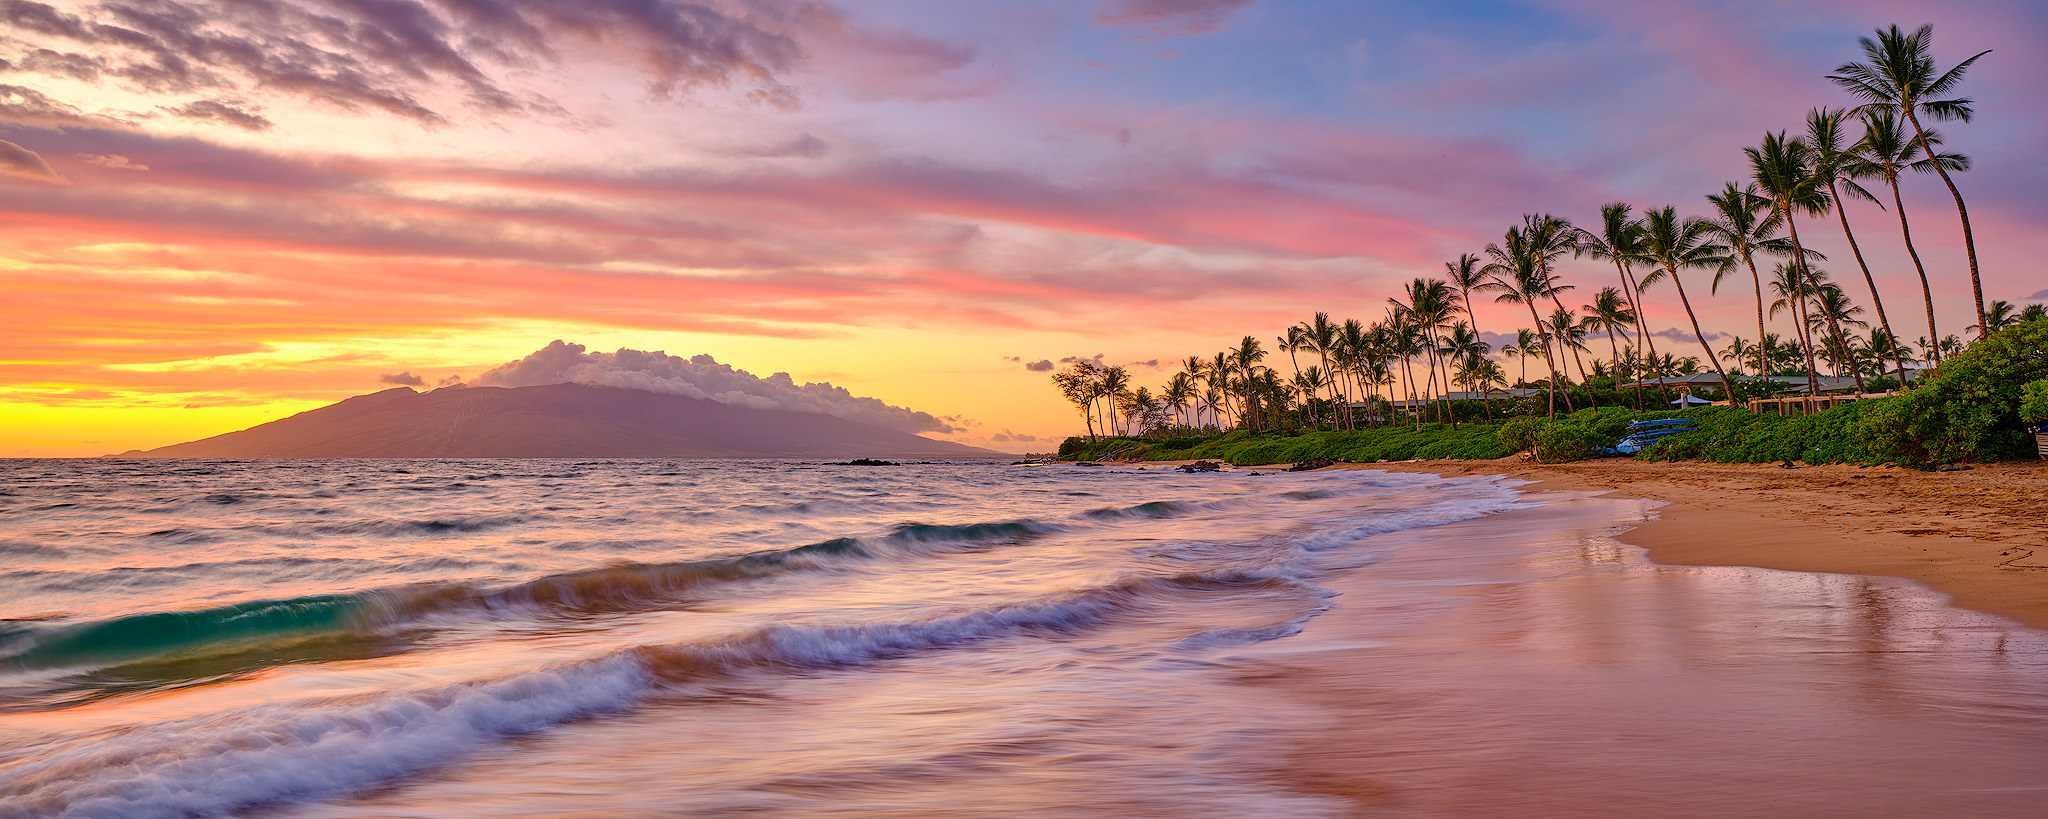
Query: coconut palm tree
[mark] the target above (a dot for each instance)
(1793, 291)
(1884, 151)
(1784, 175)
(1322, 338)
(1738, 348)
(1430, 306)
(1620, 240)
(1900, 75)
(1835, 164)
(1520, 278)
(1179, 392)
(1998, 316)
(1550, 238)
(1467, 274)
(1748, 225)
(1832, 306)
(1243, 360)
(1609, 313)
(1676, 245)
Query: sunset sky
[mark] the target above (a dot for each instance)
(221, 212)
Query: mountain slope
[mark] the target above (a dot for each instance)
(557, 421)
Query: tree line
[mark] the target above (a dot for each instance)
(1753, 225)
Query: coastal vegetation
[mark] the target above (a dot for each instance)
(1420, 380)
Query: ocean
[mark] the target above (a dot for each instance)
(523, 638)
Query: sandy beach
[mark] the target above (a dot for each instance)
(1979, 536)
(1588, 681)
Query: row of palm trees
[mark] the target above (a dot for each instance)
(1808, 175)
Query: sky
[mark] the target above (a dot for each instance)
(215, 213)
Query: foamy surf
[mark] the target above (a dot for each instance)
(442, 611)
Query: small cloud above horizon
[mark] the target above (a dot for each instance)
(402, 379)
(1040, 366)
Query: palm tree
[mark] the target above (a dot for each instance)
(1901, 76)
(1737, 348)
(1179, 391)
(1322, 338)
(1115, 389)
(1837, 166)
(1564, 325)
(1832, 305)
(1747, 223)
(1519, 277)
(1430, 307)
(1620, 241)
(1784, 175)
(1676, 245)
(1998, 317)
(1609, 313)
(1793, 292)
(1467, 274)
(1548, 238)
(1884, 151)
(1244, 359)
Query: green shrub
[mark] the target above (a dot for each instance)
(1518, 434)
(1967, 409)
(2034, 402)
(1562, 442)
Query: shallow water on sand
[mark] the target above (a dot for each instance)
(713, 638)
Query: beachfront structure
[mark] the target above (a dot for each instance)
(1494, 394)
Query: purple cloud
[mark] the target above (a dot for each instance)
(1170, 17)
(18, 161)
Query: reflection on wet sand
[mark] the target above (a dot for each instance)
(1532, 665)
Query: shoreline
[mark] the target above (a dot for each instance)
(1978, 537)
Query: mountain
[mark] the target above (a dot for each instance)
(557, 421)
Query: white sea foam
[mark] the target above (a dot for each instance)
(274, 753)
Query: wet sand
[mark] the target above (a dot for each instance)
(1757, 657)
(1979, 536)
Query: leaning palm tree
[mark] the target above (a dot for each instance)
(1676, 245)
(1884, 151)
(1430, 306)
(1467, 274)
(1619, 240)
(1836, 164)
(1748, 225)
(1900, 75)
(1520, 279)
(1832, 306)
(1784, 175)
(1610, 313)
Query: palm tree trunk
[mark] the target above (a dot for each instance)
(1926, 292)
(1969, 239)
(1727, 387)
(1875, 300)
(1799, 263)
(1548, 359)
(1649, 341)
(1628, 292)
(1763, 365)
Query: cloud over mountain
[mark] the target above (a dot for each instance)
(702, 377)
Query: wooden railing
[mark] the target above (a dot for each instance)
(1798, 405)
